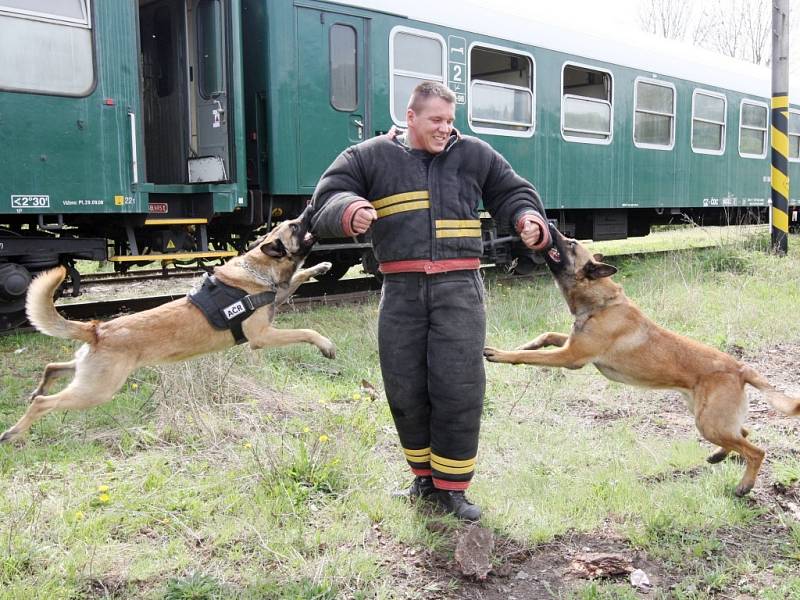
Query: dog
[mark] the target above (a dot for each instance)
(611, 332)
(172, 332)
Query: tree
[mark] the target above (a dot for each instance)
(737, 28)
(666, 18)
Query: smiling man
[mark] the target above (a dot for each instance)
(420, 193)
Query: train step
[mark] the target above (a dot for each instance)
(187, 221)
(173, 256)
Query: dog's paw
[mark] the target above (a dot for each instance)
(328, 349)
(321, 268)
(8, 436)
(742, 490)
(492, 354)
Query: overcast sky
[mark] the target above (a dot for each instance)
(608, 16)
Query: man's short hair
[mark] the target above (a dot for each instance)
(427, 90)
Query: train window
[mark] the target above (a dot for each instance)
(67, 11)
(708, 122)
(753, 129)
(654, 115)
(501, 91)
(344, 72)
(414, 56)
(794, 135)
(586, 104)
(210, 48)
(46, 46)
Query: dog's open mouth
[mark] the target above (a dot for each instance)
(554, 255)
(309, 240)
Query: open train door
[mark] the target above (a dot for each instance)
(331, 89)
(212, 33)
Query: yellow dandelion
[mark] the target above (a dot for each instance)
(134, 386)
(306, 429)
(247, 445)
(79, 515)
(104, 498)
(102, 489)
(356, 396)
(323, 438)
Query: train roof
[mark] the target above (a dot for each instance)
(636, 50)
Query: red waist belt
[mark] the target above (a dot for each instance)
(430, 267)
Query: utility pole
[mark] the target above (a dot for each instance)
(780, 125)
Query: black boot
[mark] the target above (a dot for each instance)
(456, 502)
(421, 487)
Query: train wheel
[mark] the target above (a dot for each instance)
(14, 281)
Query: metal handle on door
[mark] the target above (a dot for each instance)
(360, 126)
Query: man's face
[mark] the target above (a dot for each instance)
(430, 127)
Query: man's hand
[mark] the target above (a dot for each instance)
(363, 219)
(531, 234)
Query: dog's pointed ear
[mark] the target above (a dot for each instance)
(275, 248)
(598, 257)
(598, 270)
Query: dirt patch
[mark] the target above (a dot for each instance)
(546, 571)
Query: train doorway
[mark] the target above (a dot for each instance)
(184, 83)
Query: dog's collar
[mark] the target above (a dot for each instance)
(271, 286)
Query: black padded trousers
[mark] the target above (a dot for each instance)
(431, 333)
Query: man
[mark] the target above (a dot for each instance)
(419, 191)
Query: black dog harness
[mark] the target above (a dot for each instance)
(227, 307)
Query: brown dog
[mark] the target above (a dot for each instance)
(612, 333)
(172, 332)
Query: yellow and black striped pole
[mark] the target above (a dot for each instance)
(780, 126)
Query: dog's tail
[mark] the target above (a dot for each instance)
(779, 401)
(42, 311)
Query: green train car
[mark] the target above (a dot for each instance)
(172, 130)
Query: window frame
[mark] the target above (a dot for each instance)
(32, 15)
(355, 67)
(489, 130)
(585, 140)
(88, 25)
(792, 111)
(763, 105)
(668, 84)
(392, 71)
(724, 98)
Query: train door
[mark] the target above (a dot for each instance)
(162, 30)
(332, 89)
(211, 98)
(185, 97)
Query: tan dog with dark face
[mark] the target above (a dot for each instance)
(172, 332)
(612, 333)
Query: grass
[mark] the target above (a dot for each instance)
(267, 474)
